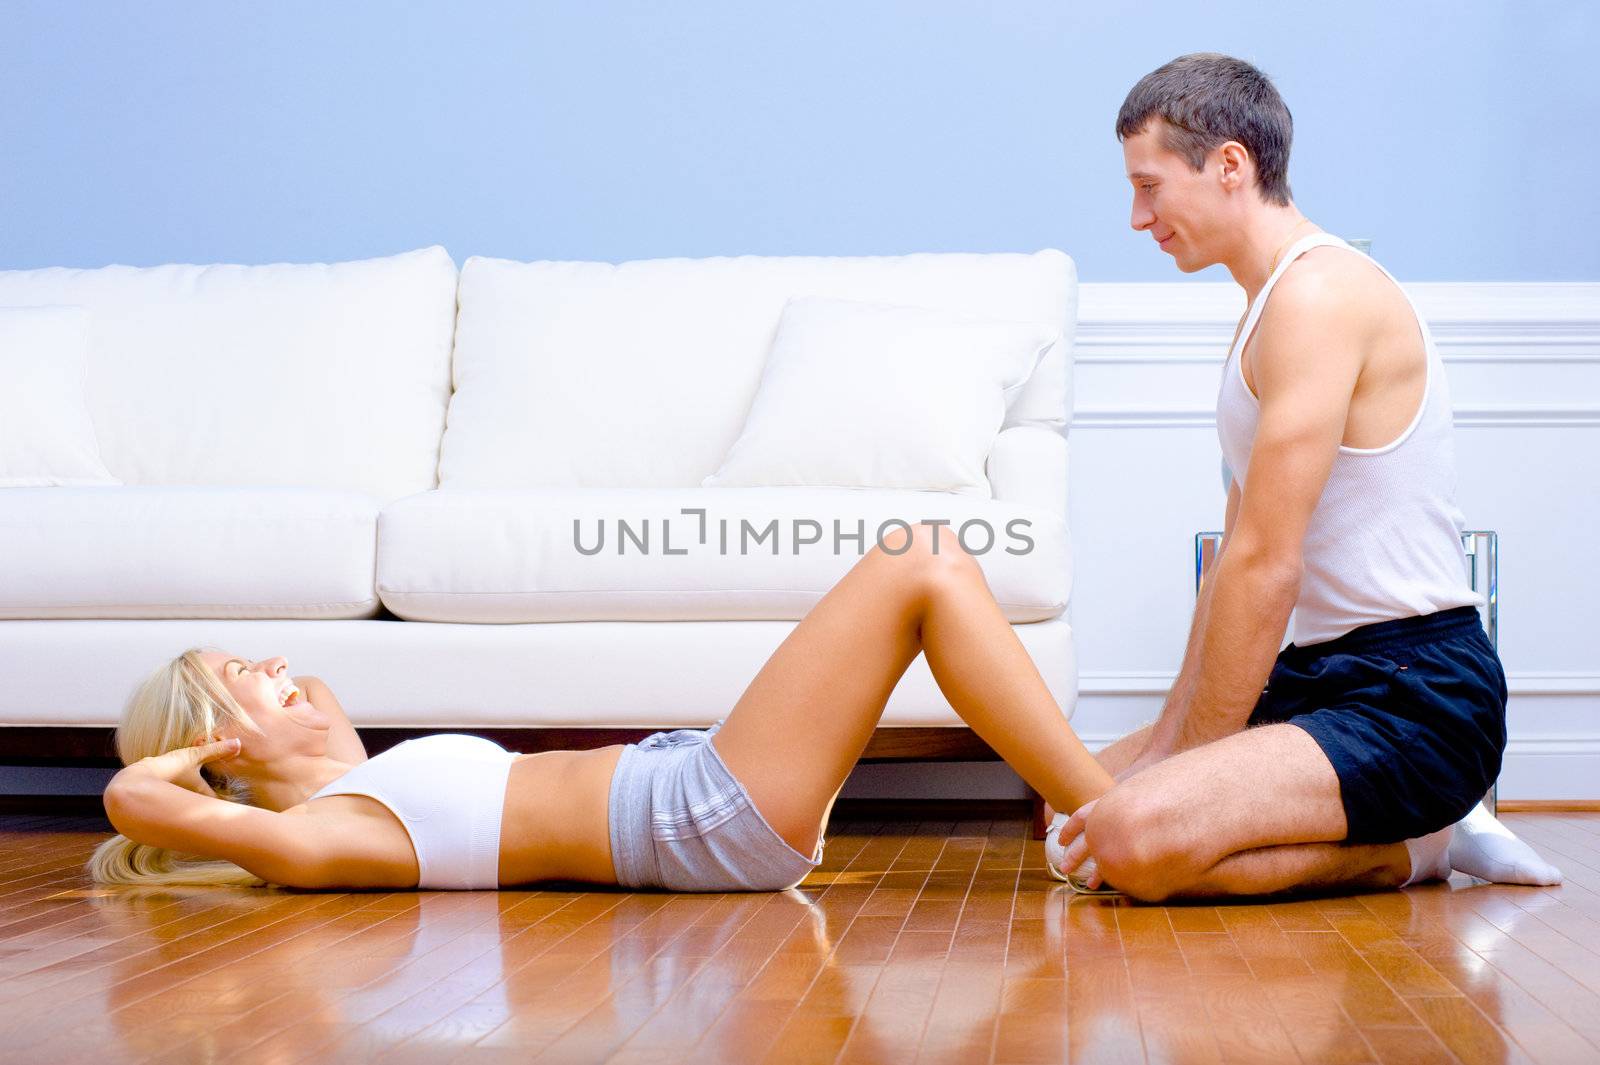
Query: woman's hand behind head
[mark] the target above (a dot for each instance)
(182, 766)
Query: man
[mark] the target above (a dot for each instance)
(1343, 760)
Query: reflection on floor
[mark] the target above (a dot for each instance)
(917, 941)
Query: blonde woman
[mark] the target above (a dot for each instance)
(237, 774)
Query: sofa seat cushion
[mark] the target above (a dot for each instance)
(186, 552)
(451, 678)
(711, 554)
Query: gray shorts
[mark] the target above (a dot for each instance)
(680, 820)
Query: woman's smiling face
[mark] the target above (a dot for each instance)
(264, 690)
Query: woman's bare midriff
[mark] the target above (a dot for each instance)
(554, 825)
(556, 821)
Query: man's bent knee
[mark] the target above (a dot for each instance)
(1130, 839)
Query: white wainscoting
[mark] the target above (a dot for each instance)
(1523, 361)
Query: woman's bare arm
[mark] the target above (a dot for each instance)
(146, 804)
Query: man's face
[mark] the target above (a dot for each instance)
(1181, 209)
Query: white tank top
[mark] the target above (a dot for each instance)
(1385, 539)
(449, 791)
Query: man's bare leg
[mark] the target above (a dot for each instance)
(1169, 830)
(1303, 867)
(1482, 847)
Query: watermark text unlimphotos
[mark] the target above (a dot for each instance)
(676, 536)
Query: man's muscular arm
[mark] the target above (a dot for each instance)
(1308, 355)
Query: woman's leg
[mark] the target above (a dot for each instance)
(800, 726)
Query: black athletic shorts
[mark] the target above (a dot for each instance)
(1412, 714)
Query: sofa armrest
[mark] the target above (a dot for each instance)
(1028, 464)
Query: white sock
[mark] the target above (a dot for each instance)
(1054, 852)
(1488, 850)
(1055, 860)
(1430, 857)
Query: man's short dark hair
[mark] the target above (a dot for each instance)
(1206, 100)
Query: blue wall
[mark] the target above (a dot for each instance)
(1459, 135)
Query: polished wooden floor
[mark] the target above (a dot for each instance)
(918, 941)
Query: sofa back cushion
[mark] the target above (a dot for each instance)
(46, 435)
(575, 374)
(316, 375)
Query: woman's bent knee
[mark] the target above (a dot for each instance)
(926, 549)
(920, 564)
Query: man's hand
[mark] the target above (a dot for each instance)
(1077, 847)
(182, 766)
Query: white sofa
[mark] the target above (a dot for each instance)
(375, 468)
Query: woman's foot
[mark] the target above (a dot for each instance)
(1055, 855)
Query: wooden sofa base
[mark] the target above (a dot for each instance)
(93, 746)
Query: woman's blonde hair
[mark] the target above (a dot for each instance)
(178, 704)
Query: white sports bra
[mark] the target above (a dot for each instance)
(448, 791)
